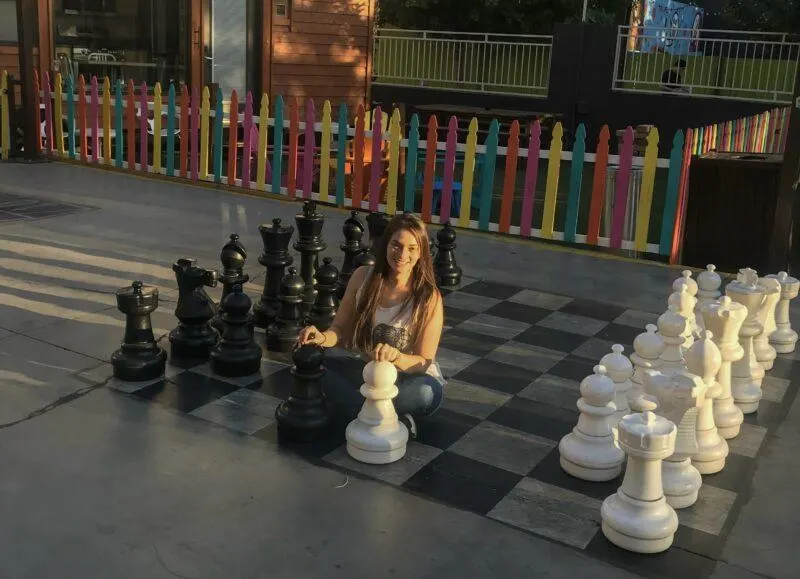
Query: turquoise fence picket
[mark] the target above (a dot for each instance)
(671, 197)
(218, 138)
(487, 184)
(277, 153)
(341, 154)
(575, 183)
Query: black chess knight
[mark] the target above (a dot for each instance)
(233, 257)
(194, 336)
(276, 259)
(309, 243)
(448, 274)
(237, 353)
(282, 333)
(352, 247)
(324, 309)
(305, 416)
(140, 358)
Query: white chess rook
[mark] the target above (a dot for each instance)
(620, 370)
(590, 451)
(637, 517)
(671, 326)
(648, 348)
(784, 338)
(708, 283)
(765, 353)
(724, 318)
(747, 373)
(376, 436)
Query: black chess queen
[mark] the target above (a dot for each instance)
(391, 312)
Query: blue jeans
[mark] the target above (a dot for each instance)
(420, 395)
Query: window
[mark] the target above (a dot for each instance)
(282, 11)
(8, 21)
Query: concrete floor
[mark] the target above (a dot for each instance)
(98, 485)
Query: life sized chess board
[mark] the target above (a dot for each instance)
(514, 359)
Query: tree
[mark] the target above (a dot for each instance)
(762, 15)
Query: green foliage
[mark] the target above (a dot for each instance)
(762, 15)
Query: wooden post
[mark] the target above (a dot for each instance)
(27, 22)
(784, 250)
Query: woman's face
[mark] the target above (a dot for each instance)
(403, 251)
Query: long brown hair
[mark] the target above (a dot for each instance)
(422, 281)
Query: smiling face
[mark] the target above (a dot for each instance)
(403, 251)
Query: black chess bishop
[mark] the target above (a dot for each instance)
(353, 231)
(139, 358)
(309, 243)
(194, 336)
(305, 416)
(237, 353)
(448, 273)
(233, 257)
(324, 309)
(282, 333)
(276, 259)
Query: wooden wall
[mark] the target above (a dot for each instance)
(9, 58)
(323, 52)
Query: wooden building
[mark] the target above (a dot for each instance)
(297, 48)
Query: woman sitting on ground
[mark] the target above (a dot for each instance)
(391, 312)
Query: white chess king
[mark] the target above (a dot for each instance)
(376, 436)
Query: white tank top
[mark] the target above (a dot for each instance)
(392, 326)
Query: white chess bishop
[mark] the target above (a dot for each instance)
(765, 353)
(637, 517)
(692, 288)
(724, 318)
(671, 326)
(620, 370)
(685, 303)
(590, 451)
(680, 397)
(647, 349)
(784, 338)
(376, 436)
(708, 283)
(704, 359)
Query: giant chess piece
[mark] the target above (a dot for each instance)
(276, 259)
(764, 352)
(704, 359)
(305, 416)
(194, 337)
(448, 274)
(309, 243)
(283, 332)
(685, 303)
(784, 338)
(139, 358)
(637, 517)
(233, 257)
(724, 319)
(377, 223)
(747, 373)
(680, 397)
(647, 349)
(671, 326)
(692, 289)
(237, 353)
(708, 284)
(325, 306)
(352, 247)
(620, 370)
(590, 451)
(376, 436)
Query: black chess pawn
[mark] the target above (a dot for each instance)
(282, 333)
(352, 247)
(324, 309)
(140, 358)
(305, 416)
(194, 336)
(237, 353)
(276, 259)
(233, 257)
(448, 273)
(309, 243)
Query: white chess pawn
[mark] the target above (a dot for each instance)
(637, 517)
(685, 303)
(620, 370)
(647, 347)
(590, 451)
(704, 359)
(784, 337)
(708, 283)
(671, 326)
(376, 436)
(724, 318)
(680, 397)
(747, 373)
(765, 353)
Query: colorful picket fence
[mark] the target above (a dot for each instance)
(765, 132)
(181, 135)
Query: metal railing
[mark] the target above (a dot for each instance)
(756, 66)
(473, 62)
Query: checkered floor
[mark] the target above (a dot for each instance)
(514, 358)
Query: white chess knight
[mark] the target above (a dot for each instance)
(746, 373)
(704, 359)
(671, 326)
(692, 289)
(647, 349)
(724, 318)
(620, 370)
(680, 397)
(708, 283)
(590, 451)
(765, 353)
(637, 517)
(784, 338)
(685, 302)
(376, 436)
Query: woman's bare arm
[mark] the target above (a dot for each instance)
(342, 326)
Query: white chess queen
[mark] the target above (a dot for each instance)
(391, 312)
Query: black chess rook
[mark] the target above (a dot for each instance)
(233, 257)
(194, 337)
(309, 243)
(325, 306)
(448, 273)
(139, 358)
(276, 259)
(305, 416)
(237, 353)
(282, 333)
(353, 231)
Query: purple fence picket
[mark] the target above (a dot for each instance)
(376, 168)
(449, 168)
(194, 130)
(247, 145)
(309, 142)
(621, 195)
(94, 113)
(531, 174)
(143, 114)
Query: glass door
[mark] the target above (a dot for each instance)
(227, 52)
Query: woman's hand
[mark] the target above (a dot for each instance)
(385, 353)
(310, 335)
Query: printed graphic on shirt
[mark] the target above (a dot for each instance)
(392, 335)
